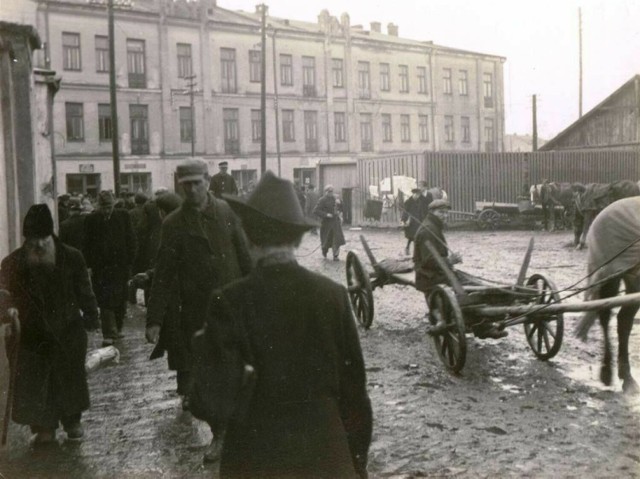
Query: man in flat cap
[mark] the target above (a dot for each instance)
(110, 248)
(309, 414)
(222, 182)
(48, 285)
(202, 246)
(428, 271)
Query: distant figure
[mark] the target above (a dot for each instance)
(312, 201)
(63, 207)
(413, 213)
(72, 229)
(49, 286)
(331, 235)
(223, 182)
(308, 414)
(300, 194)
(109, 248)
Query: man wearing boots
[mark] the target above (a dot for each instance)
(48, 285)
(202, 247)
(109, 248)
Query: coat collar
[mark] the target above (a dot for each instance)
(191, 216)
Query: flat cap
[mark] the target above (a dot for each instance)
(191, 170)
(439, 204)
(223, 163)
(106, 198)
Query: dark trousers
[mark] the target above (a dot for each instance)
(112, 321)
(66, 421)
(183, 379)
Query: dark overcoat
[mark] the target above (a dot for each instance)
(223, 183)
(50, 378)
(428, 273)
(109, 248)
(331, 234)
(148, 238)
(310, 414)
(413, 211)
(72, 231)
(199, 251)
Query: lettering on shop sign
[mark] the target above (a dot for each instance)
(86, 168)
(135, 166)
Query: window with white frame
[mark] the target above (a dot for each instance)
(446, 81)
(75, 121)
(185, 66)
(256, 125)
(255, 66)
(340, 126)
(286, 70)
(337, 71)
(423, 128)
(463, 83)
(102, 53)
(385, 77)
(387, 134)
(71, 51)
(449, 136)
(288, 125)
(404, 78)
(465, 127)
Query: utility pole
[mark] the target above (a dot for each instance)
(191, 86)
(115, 147)
(263, 90)
(275, 102)
(534, 108)
(580, 52)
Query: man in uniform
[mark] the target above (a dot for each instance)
(202, 247)
(223, 182)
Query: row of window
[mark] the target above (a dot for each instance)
(228, 73)
(231, 124)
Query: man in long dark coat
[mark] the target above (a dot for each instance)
(222, 182)
(49, 286)
(309, 413)
(72, 229)
(202, 246)
(109, 249)
(413, 212)
(331, 235)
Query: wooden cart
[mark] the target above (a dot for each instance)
(468, 302)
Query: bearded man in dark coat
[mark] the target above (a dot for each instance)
(331, 235)
(202, 247)
(109, 248)
(222, 182)
(48, 285)
(306, 412)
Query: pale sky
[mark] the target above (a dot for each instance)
(539, 38)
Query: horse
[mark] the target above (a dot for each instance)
(549, 195)
(592, 198)
(614, 257)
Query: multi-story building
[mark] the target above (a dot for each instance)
(341, 92)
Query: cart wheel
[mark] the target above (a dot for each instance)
(451, 344)
(489, 219)
(360, 291)
(544, 332)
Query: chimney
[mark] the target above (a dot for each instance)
(392, 30)
(376, 27)
(345, 21)
(324, 19)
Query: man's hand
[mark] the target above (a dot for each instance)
(455, 258)
(152, 334)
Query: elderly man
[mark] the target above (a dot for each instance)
(223, 182)
(202, 246)
(109, 248)
(331, 236)
(309, 414)
(49, 286)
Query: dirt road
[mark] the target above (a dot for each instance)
(506, 415)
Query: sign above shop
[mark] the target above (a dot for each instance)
(135, 166)
(86, 168)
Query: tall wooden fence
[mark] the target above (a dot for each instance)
(499, 177)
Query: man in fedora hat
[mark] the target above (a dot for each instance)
(222, 182)
(49, 286)
(110, 248)
(202, 247)
(428, 271)
(309, 413)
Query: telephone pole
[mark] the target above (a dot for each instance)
(263, 90)
(191, 85)
(275, 102)
(534, 108)
(580, 61)
(115, 147)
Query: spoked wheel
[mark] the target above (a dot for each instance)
(544, 331)
(489, 219)
(451, 343)
(360, 291)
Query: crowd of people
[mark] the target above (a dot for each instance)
(266, 352)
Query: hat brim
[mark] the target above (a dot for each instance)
(194, 177)
(247, 213)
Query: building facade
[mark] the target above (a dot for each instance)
(613, 124)
(188, 76)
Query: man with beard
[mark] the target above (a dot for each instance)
(202, 247)
(109, 248)
(49, 286)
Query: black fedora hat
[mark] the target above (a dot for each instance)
(272, 203)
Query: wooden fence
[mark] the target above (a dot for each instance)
(499, 177)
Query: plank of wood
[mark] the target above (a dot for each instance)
(525, 263)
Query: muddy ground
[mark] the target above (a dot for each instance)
(506, 415)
